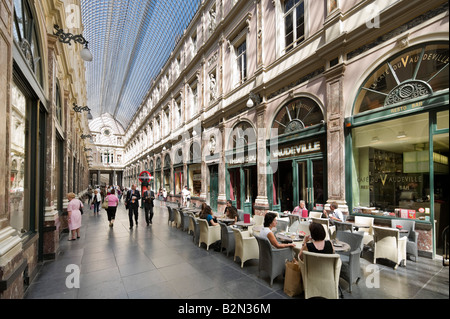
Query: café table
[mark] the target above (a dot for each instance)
(225, 220)
(244, 225)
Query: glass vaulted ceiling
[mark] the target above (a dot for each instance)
(131, 41)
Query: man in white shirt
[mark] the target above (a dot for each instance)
(335, 214)
(185, 195)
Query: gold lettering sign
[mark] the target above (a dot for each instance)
(297, 150)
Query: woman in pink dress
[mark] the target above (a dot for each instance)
(74, 216)
(113, 201)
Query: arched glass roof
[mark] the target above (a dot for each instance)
(130, 40)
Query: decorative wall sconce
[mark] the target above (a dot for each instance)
(63, 37)
(80, 109)
(253, 99)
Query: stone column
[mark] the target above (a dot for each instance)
(51, 216)
(261, 201)
(222, 198)
(335, 137)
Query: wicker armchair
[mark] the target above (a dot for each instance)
(272, 260)
(320, 275)
(389, 245)
(246, 246)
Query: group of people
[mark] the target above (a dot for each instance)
(335, 212)
(132, 205)
(315, 242)
(230, 213)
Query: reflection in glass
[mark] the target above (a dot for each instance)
(18, 159)
(391, 175)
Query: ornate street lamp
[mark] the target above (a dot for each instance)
(80, 109)
(63, 37)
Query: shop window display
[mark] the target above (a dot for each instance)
(392, 170)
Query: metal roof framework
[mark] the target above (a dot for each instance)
(130, 40)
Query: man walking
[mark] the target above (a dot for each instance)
(148, 198)
(132, 203)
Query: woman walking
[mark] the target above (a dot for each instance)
(74, 216)
(113, 201)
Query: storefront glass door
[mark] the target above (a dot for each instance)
(310, 184)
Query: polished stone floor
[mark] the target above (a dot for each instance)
(162, 262)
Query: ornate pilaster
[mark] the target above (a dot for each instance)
(335, 136)
(261, 201)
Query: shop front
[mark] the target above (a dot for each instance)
(398, 143)
(297, 151)
(241, 168)
(194, 172)
(158, 183)
(167, 174)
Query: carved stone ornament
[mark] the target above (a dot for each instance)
(212, 145)
(407, 91)
(294, 126)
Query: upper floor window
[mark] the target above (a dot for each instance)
(193, 98)
(194, 44)
(241, 61)
(26, 36)
(178, 116)
(294, 23)
(166, 121)
(58, 104)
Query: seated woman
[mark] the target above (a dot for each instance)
(318, 244)
(203, 214)
(270, 221)
(232, 213)
(209, 216)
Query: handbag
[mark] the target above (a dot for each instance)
(105, 204)
(293, 279)
(81, 209)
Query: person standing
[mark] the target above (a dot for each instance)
(132, 203)
(113, 201)
(148, 198)
(164, 194)
(96, 200)
(186, 195)
(74, 216)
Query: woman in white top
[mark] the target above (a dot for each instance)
(270, 221)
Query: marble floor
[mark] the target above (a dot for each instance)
(162, 262)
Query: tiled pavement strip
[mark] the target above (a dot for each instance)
(162, 262)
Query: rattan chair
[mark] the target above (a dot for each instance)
(246, 246)
(387, 244)
(272, 260)
(320, 275)
(227, 238)
(208, 234)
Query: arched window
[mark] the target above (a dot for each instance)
(418, 71)
(26, 36)
(297, 115)
(242, 135)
